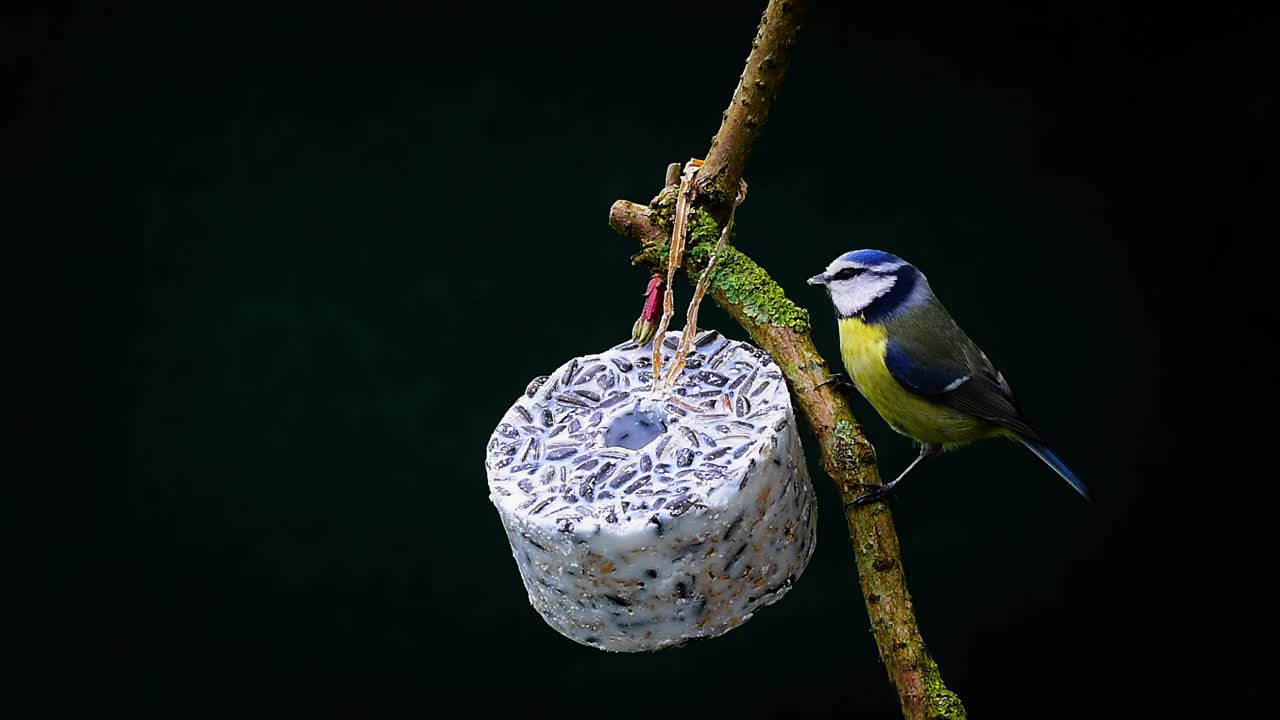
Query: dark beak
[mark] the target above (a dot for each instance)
(819, 279)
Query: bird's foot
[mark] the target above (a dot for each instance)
(874, 493)
(838, 381)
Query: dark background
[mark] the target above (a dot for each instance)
(276, 272)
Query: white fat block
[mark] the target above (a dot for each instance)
(640, 521)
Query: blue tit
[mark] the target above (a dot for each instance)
(917, 368)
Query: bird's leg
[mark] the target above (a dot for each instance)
(880, 492)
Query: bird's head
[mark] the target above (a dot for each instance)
(872, 284)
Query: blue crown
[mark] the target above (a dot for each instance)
(873, 258)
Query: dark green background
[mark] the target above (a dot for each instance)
(278, 271)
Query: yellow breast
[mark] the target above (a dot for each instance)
(862, 347)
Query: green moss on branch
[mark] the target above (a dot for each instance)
(941, 702)
(742, 281)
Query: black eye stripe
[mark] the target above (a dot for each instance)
(847, 273)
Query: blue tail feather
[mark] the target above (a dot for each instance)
(1060, 467)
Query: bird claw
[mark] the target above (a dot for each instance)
(874, 493)
(839, 381)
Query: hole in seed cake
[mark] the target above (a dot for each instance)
(636, 428)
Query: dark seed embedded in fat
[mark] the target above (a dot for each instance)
(684, 457)
(622, 477)
(709, 473)
(589, 373)
(529, 538)
(534, 385)
(561, 453)
(605, 471)
(706, 338)
(574, 400)
(567, 379)
(715, 453)
(733, 527)
(613, 399)
(680, 505)
(710, 377)
(720, 355)
(737, 554)
(690, 436)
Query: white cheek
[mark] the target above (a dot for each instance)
(852, 297)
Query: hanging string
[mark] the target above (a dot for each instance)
(679, 226)
(700, 291)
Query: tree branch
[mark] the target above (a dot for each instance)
(752, 100)
(777, 325)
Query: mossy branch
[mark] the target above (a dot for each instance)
(779, 326)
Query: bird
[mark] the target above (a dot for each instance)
(921, 372)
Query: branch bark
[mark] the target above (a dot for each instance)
(777, 325)
(752, 100)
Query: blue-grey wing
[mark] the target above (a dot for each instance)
(942, 364)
